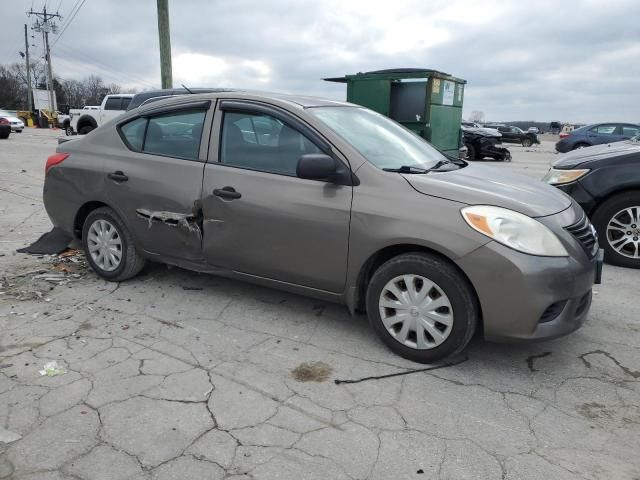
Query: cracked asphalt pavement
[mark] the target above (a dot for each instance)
(177, 375)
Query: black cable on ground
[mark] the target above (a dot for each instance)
(453, 363)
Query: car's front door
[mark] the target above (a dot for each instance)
(154, 179)
(507, 134)
(259, 217)
(628, 131)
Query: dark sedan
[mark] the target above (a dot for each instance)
(512, 134)
(596, 134)
(605, 181)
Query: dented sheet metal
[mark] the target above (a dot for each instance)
(187, 221)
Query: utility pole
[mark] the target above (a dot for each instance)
(26, 50)
(166, 75)
(45, 24)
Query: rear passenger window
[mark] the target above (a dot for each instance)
(134, 133)
(604, 129)
(262, 142)
(175, 134)
(113, 103)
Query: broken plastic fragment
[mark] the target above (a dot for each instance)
(51, 369)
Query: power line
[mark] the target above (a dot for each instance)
(71, 17)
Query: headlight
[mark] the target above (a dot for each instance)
(514, 230)
(559, 177)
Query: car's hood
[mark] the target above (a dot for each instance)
(597, 152)
(485, 132)
(482, 185)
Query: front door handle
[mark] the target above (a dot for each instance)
(227, 192)
(118, 176)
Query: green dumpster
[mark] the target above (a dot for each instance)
(426, 101)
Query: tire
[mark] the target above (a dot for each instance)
(4, 134)
(628, 254)
(68, 131)
(527, 142)
(84, 130)
(131, 262)
(449, 287)
(580, 145)
(472, 153)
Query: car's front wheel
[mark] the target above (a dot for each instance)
(422, 307)
(617, 222)
(527, 142)
(109, 246)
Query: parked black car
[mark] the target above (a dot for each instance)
(482, 143)
(605, 181)
(5, 128)
(596, 134)
(511, 134)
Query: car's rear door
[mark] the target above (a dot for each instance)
(604, 133)
(259, 217)
(154, 178)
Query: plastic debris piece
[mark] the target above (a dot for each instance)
(52, 369)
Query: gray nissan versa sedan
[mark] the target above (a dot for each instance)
(334, 201)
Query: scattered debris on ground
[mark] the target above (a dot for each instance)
(57, 270)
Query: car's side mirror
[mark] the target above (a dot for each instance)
(319, 166)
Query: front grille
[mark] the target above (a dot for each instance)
(586, 235)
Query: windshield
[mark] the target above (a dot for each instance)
(383, 142)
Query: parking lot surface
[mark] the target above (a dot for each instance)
(178, 375)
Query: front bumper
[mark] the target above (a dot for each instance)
(525, 297)
(576, 191)
(17, 127)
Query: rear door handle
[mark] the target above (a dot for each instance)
(118, 176)
(227, 192)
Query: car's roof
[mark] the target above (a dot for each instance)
(300, 101)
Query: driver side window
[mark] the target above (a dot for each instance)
(262, 142)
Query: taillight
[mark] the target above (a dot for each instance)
(55, 159)
(4, 121)
(564, 135)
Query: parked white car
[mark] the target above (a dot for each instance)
(90, 117)
(17, 125)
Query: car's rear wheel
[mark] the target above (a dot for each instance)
(617, 222)
(422, 307)
(109, 247)
(527, 142)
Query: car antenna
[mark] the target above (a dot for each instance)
(183, 86)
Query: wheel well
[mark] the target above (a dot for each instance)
(82, 215)
(609, 196)
(87, 121)
(381, 256)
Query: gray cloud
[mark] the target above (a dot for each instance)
(537, 60)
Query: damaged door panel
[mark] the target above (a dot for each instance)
(161, 199)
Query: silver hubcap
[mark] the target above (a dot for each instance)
(416, 312)
(623, 232)
(105, 245)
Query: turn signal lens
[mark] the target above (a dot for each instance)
(55, 159)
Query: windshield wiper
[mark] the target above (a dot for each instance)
(406, 169)
(410, 169)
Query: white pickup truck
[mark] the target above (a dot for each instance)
(86, 119)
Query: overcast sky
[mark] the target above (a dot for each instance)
(523, 60)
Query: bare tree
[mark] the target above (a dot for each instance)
(476, 116)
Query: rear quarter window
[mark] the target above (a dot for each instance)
(133, 133)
